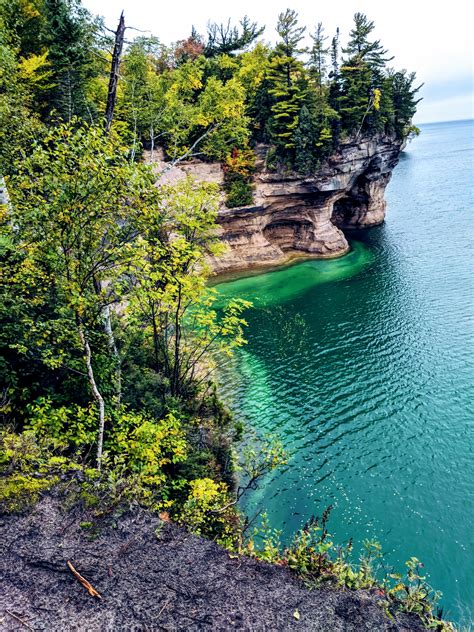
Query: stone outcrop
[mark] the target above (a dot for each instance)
(305, 216)
(292, 215)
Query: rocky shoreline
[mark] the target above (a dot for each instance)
(295, 216)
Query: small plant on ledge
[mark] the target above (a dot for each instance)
(238, 170)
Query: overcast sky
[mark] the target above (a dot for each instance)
(436, 43)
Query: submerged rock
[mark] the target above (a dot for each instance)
(153, 575)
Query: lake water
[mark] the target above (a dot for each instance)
(364, 366)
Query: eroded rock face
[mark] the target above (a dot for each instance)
(295, 215)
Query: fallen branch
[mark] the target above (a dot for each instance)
(163, 607)
(90, 589)
(20, 620)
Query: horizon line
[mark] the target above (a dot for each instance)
(461, 120)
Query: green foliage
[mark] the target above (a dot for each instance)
(92, 231)
(318, 57)
(411, 593)
(142, 96)
(306, 138)
(361, 47)
(318, 561)
(56, 44)
(18, 492)
(108, 331)
(169, 302)
(286, 81)
(403, 93)
(238, 171)
(18, 121)
(64, 428)
(202, 97)
(225, 38)
(207, 511)
(70, 38)
(145, 446)
(147, 461)
(239, 193)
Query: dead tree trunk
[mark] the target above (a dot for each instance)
(114, 72)
(109, 115)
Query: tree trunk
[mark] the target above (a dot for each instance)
(114, 73)
(177, 342)
(113, 347)
(4, 197)
(96, 393)
(107, 321)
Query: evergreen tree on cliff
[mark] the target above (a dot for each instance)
(69, 36)
(286, 81)
(404, 101)
(305, 142)
(317, 99)
(362, 78)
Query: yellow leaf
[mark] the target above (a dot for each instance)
(296, 614)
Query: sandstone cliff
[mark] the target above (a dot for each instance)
(301, 216)
(295, 215)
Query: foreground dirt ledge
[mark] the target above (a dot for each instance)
(154, 576)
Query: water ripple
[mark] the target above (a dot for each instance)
(365, 367)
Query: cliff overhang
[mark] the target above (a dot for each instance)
(296, 216)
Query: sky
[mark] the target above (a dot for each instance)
(436, 43)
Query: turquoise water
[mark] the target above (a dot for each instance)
(365, 367)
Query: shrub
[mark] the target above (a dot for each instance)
(209, 511)
(65, 428)
(314, 557)
(18, 492)
(239, 194)
(238, 171)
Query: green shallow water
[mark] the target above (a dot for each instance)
(273, 288)
(365, 367)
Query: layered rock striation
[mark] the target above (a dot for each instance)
(305, 216)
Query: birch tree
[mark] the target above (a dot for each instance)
(71, 206)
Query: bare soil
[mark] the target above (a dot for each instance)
(152, 575)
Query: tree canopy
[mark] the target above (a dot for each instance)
(206, 95)
(103, 273)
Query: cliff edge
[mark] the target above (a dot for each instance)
(297, 216)
(152, 575)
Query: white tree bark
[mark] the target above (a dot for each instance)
(114, 349)
(4, 199)
(96, 393)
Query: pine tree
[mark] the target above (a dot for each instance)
(287, 81)
(318, 95)
(335, 54)
(225, 39)
(305, 142)
(404, 101)
(362, 80)
(69, 37)
(318, 57)
(359, 45)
